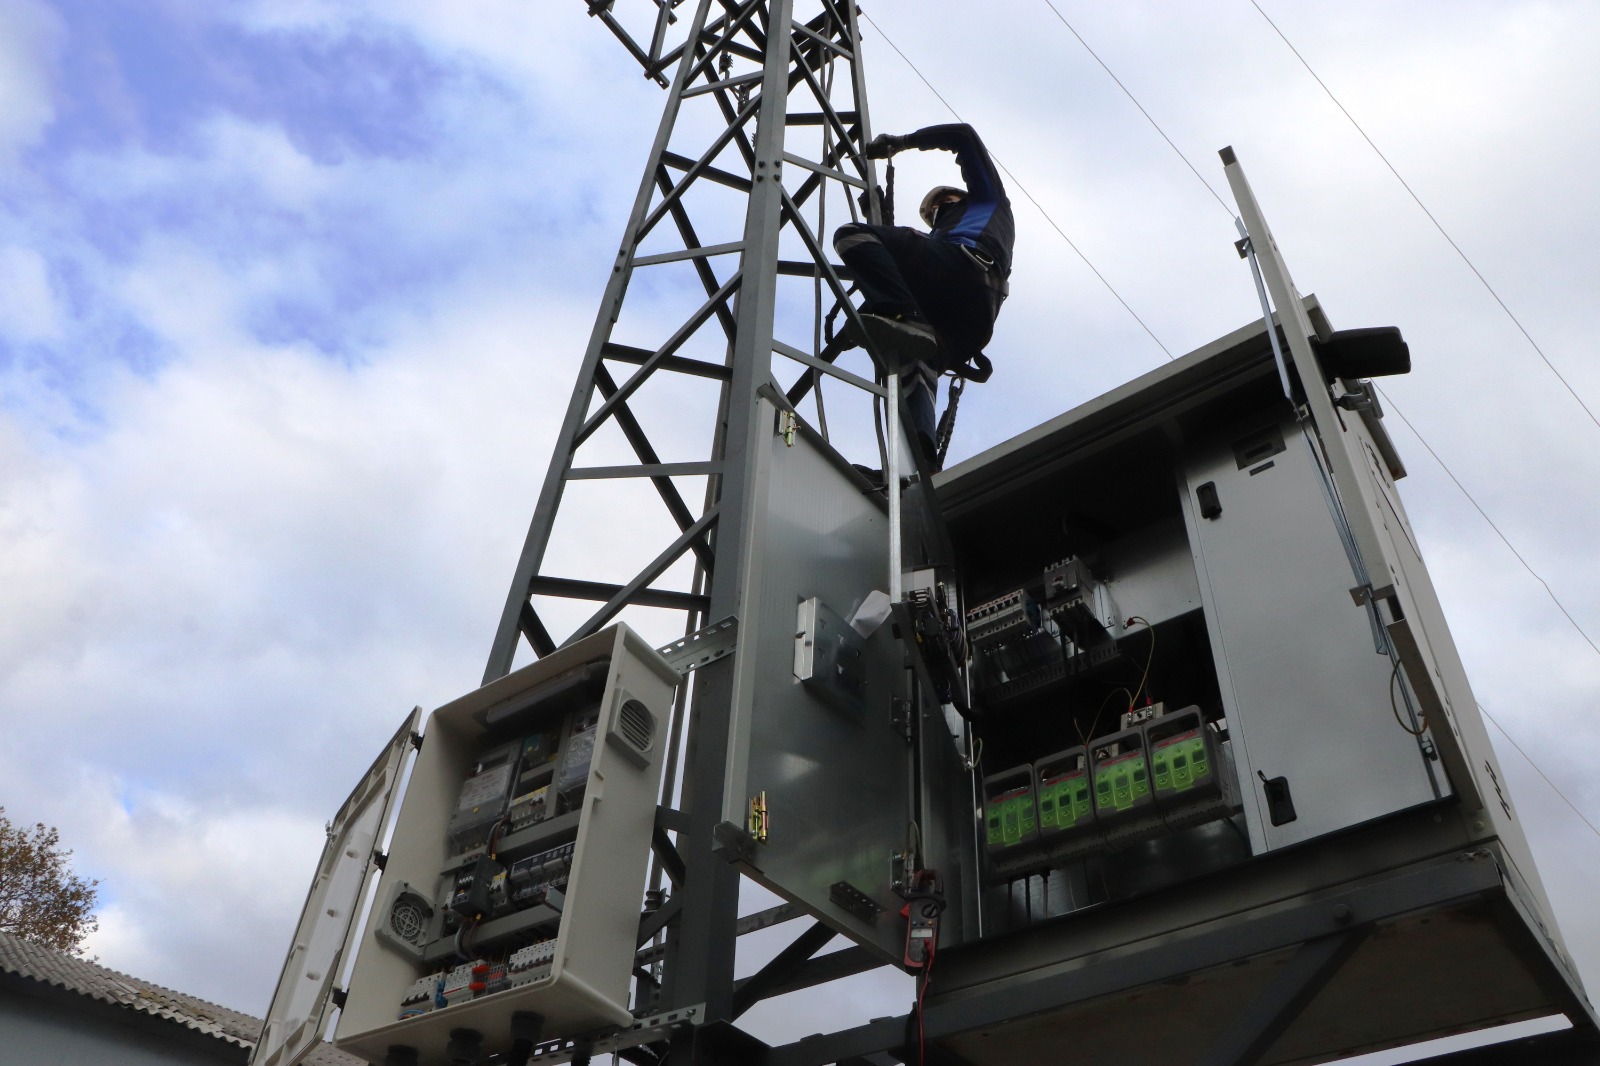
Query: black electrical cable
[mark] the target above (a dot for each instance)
(922, 991)
(494, 835)
(464, 937)
(947, 421)
(1394, 675)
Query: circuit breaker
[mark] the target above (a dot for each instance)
(516, 872)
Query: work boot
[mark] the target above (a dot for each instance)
(874, 476)
(896, 342)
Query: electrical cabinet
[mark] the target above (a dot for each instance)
(1171, 674)
(1190, 671)
(513, 877)
(1167, 664)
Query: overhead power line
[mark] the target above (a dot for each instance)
(1020, 188)
(1129, 94)
(1540, 772)
(1485, 516)
(1436, 225)
(1442, 465)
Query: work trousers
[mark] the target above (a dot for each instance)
(902, 271)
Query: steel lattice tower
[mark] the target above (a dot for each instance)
(753, 120)
(764, 124)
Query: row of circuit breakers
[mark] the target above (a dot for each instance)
(1159, 773)
(1163, 774)
(499, 899)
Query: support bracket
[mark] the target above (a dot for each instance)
(703, 646)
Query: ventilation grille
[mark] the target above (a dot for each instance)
(408, 918)
(636, 725)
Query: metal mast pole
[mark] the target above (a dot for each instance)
(765, 123)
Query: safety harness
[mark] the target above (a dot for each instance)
(977, 367)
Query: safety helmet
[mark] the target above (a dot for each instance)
(936, 194)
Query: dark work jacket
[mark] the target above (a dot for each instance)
(983, 220)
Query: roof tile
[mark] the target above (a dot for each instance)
(46, 965)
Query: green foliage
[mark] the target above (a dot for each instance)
(41, 899)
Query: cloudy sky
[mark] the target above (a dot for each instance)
(292, 293)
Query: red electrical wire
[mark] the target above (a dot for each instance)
(927, 976)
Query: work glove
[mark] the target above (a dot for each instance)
(885, 145)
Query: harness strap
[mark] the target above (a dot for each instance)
(977, 368)
(888, 191)
(947, 424)
(991, 271)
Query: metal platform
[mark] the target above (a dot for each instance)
(1308, 965)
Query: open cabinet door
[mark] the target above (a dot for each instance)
(1391, 581)
(298, 1016)
(818, 781)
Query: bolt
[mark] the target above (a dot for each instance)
(1341, 913)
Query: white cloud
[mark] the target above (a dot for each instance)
(29, 307)
(188, 882)
(228, 598)
(31, 35)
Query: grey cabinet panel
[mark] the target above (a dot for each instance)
(1307, 693)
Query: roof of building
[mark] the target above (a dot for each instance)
(56, 969)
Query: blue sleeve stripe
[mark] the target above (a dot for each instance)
(973, 221)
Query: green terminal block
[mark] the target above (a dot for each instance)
(1188, 769)
(1011, 818)
(1180, 762)
(1120, 782)
(1064, 800)
(1010, 812)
